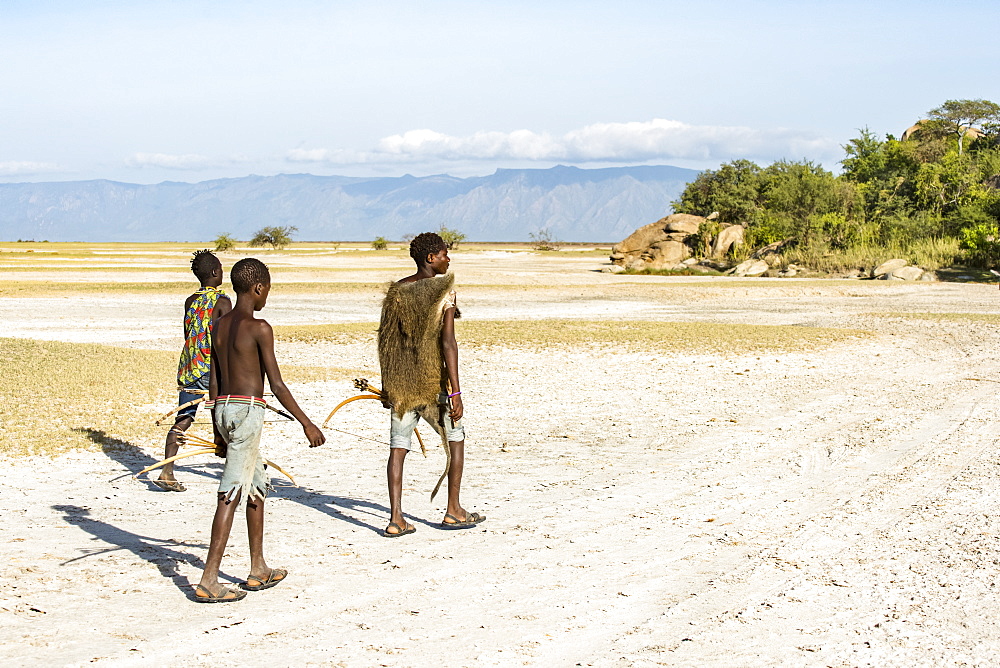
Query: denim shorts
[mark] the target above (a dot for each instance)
(188, 393)
(240, 422)
(401, 429)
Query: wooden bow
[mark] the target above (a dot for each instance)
(375, 393)
(205, 451)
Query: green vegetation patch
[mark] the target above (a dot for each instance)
(675, 336)
(64, 396)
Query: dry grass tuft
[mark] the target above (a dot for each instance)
(984, 318)
(674, 336)
(56, 288)
(58, 396)
(350, 332)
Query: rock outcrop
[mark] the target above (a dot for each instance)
(666, 244)
(897, 270)
(888, 267)
(727, 238)
(750, 268)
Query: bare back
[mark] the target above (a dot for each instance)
(239, 343)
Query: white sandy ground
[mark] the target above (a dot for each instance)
(834, 507)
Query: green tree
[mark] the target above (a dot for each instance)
(734, 190)
(883, 172)
(452, 238)
(964, 115)
(275, 237)
(380, 243)
(224, 242)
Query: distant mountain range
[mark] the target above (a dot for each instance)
(573, 204)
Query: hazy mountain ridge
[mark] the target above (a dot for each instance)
(574, 204)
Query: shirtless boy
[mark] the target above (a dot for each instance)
(242, 355)
(201, 310)
(420, 375)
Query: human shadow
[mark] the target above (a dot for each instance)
(133, 459)
(164, 554)
(338, 507)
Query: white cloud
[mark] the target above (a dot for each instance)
(658, 139)
(186, 161)
(24, 168)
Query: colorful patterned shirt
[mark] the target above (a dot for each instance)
(196, 356)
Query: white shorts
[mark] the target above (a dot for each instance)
(401, 429)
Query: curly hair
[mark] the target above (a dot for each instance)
(203, 262)
(426, 244)
(247, 273)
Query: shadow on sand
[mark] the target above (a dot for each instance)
(133, 459)
(338, 507)
(164, 554)
(342, 508)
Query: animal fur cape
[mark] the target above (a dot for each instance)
(409, 351)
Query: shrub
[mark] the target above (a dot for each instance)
(981, 243)
(542, 240)
(451, 237)
(224, 243)
(275, 237)
(380, 243)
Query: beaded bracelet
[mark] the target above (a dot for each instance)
(455, 395)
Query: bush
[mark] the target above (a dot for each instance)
(701, 241)
(224, 243)
(542, 240)
(981, 243)
(275, 237)
(451, 237)
(380, 243)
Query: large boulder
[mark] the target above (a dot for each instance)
(751, 268)
(666, 254)
(657, 245)
(727, 238)
(908, 273)
(888, 267)
(683, 223)
(641, 239)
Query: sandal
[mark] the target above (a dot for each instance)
(228, 595)
(471, 520)
(273, 578)
(169, 485)
(400, 531)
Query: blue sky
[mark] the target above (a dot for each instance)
(189, 91)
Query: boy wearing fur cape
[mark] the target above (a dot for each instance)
(418, 355)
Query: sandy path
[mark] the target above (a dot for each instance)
(830, 507)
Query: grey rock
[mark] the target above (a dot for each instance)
(726, 239)
(908, 273)
(888, 267)
(751, 268)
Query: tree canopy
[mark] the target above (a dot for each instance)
(927, 189)
(275, 237)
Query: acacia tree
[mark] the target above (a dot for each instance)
(224, 242)
(963, 115)
(452, 238)
(275, 237)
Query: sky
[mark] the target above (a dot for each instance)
(145, 92)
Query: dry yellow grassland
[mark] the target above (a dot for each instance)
(58, 396)
(686, 336)
(57, 288)
(984, 318)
